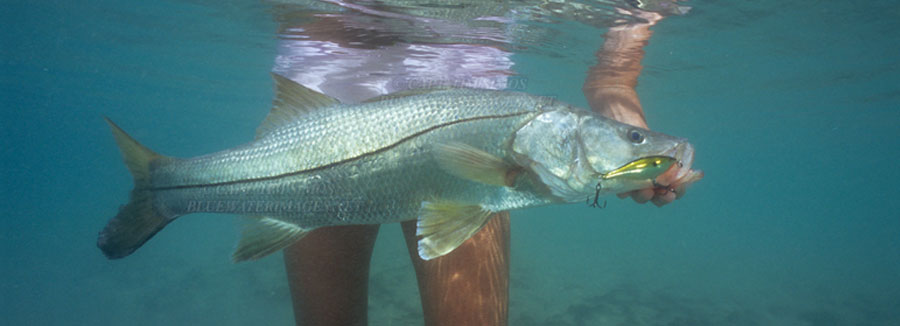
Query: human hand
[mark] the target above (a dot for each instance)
(664, 7)
(647, 19)
(668, 187)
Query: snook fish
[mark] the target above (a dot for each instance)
(448, 158)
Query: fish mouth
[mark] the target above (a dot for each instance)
(680, 174)
(640, 173)
(684, 156)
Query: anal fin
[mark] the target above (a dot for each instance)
(264, 236)
(444, 226)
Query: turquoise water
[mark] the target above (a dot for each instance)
(794, 109)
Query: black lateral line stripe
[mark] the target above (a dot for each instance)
(333, 164)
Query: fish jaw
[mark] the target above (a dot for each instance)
(681, 174)
(683, 155)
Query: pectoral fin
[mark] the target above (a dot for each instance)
(266, 235)
(474, 164)
(444, 226)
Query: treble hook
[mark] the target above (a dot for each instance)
(596, 197)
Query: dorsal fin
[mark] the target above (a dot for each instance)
(405, 93)
(291, 101)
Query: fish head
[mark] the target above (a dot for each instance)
(576, 154)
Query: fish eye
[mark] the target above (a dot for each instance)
(635, 3)
(635, 136)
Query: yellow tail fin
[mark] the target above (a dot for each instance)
(138, 220)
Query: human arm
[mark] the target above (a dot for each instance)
(610, 91)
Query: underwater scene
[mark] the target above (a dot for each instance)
(792, 108)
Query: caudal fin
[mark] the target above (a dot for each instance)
(138, 220)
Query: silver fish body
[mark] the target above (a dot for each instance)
(448, 158)
(354, 164)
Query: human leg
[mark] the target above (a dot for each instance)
(470, 285)
(328, 274)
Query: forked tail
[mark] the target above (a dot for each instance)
(138, 220)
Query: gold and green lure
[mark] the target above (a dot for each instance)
(642, 169)
(647, 168)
